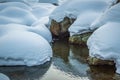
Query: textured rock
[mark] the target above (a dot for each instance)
(102, 72)
(80, 39)
(117, 77)
(96, 61)
(60, 29)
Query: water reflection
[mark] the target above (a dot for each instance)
(25, 73)
(61, 49)
(102, 72)
(70, 59)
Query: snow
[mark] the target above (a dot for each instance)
(58, 2)
(24, 1)
(42, 30)
(104, 43)
(14, 4)
(82, 23)
(3, 77)
(73, 8)
(21, 47)
(17, 15)
(42, 9)
(110, 15)
(49, 1)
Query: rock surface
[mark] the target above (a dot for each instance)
(60, 29)
(80, 39)
(96, 61)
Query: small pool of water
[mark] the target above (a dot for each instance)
(68, 63)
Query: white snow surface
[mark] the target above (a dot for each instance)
(110, 15)
(21, 47)
(3, 77)
(17, 15)
(82, 23)
(73, 8)
(104, 43)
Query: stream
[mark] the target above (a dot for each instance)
(68, 63)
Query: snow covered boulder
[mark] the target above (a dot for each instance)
(110, 15)
(104, 43)
(80, 29)
(70, 10)
(21, 47)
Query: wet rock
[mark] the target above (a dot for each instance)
(80, 39)
(60, 29)
(101, 72)
(117, 77)
(96, 61)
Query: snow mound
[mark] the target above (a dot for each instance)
(73, 8)
(15, 4)
(42, 9)
(24, 1)
(110, 15)
(49, 1)
(42, 30)
(3, 77)
(18, 15)
(83, 22)
(21, 47)
(104, 43)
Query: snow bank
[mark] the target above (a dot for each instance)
(83, 22)
(104, 43)
(21, 47)
(3, 77)
(73, 8)
(111, 15)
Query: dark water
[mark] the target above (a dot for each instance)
(68, 63)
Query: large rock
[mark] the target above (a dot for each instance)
(80, 39)
(96, 61)
(60, 29)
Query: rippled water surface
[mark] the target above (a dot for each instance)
(68, 63)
